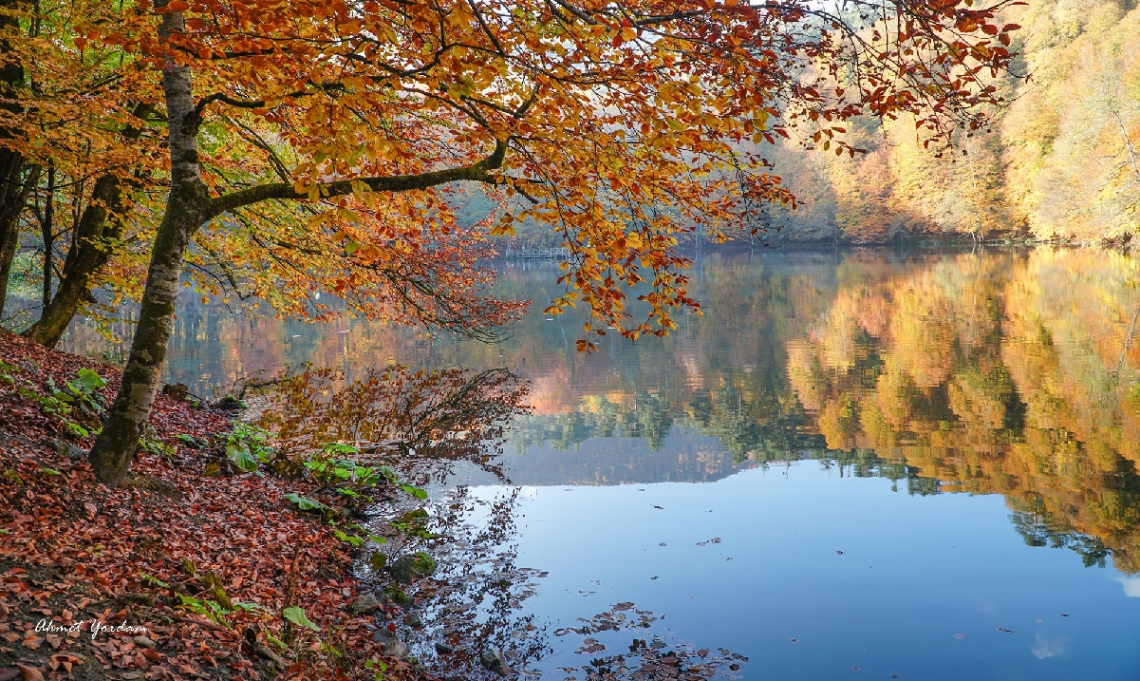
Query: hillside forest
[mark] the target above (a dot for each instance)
(1059, 162)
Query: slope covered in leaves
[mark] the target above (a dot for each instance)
(170, 552)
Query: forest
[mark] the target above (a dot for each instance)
(1059, 162)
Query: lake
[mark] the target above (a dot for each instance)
(880, 464)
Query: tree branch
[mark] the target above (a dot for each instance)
(477, 172)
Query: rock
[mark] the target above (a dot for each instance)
(229, 403)
(178, 391)
(397, 597)
(443, 649)
(69, 450)
(390, 644)
(144, 642)
(407, 568)
(365, 603)
(413, 619)
(384, 635)
(493, 659)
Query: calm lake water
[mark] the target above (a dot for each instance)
(860, 464)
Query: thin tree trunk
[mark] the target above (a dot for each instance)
(14, 191)
(1127, 143)
(47, 229)
(92, 247)
(186, 207)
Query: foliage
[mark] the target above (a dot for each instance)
(624, 127)
(296, 615)
(1061, 162)
(246, 447)
(78, 407)
(117, 556)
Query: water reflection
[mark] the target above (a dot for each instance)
(1012, 373)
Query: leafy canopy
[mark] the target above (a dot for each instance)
(623, 125)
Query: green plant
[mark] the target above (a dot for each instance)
(78, 406)
(413, 523)
(356, 534)
(6, 371)
(306, 503)
(190, 440)
(378, 666)
(157, 447)
(331, 467)
(246, 447)
(151, 579)
(297, 616)
(207, 607)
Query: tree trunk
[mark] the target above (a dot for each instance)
(13, 192)
(99, 227)
(9, 222)
(47, 233)
(92, 246)
(186, 208)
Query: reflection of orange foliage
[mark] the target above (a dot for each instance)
(922, 331)
(837, 423)
(552, 393)
(1015, 376)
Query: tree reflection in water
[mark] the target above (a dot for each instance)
(418, 422)
(469, 616)
(475, 605)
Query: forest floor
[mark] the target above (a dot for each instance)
(180, 574)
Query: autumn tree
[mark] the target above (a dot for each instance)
(80, 150)
(623, 125)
